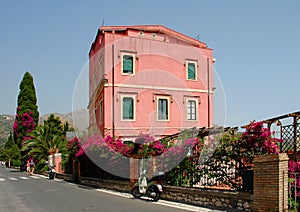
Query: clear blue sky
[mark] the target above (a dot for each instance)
(256, 44)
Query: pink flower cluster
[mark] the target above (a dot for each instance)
(260, 139)
(26, 121)
(100, 145)
(148, 146)
(74, 147)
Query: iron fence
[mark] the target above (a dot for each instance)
(294, 191)
(228, 175)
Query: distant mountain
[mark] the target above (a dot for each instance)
(6, 126)
(77, 119)
(80, 122)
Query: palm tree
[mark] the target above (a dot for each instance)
(43, 143)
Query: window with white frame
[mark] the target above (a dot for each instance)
(128, 63)
(191, 110)
(163, 108)
(128, 108)
(191, 69)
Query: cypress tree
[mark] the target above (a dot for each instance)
(27, 114)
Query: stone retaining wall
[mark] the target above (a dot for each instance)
(208, 197)
(122, 186)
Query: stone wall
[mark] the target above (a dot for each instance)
(122, 186)
(209, 197)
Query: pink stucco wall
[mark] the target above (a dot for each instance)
(160, 71)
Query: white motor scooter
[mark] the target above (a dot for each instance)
(151, 188)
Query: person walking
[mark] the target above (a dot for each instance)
(28, 167)
(32, 167)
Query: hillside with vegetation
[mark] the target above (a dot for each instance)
(7, 121)
(6, 125)
(80, 117)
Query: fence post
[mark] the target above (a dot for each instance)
(270, 187)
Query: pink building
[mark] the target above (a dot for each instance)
(148, 79)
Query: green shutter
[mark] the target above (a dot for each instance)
(191, 71)
(127, 108)
(128, 64)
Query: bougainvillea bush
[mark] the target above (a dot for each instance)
(234, 151)
(145, 145)
(24, 124)
(256, 140)
(108, 153)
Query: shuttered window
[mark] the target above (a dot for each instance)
(127, 64)
(191, 71)
(163, 109)
(127, 108)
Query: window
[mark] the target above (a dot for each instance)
(128, 107)
(191, 70)
(101, 67)
(163, 109)
(191, 110)
(101, 111)
(95, 79)
(128, 64)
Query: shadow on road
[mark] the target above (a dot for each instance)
(14, 171)
(85, 187)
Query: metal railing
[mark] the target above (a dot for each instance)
(294, 191)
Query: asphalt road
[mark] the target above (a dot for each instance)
(20, 192)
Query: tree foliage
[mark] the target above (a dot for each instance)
(27, 114)
(10, 152)
(46, 139)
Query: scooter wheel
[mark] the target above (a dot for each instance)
(135, 192)
(155, 190)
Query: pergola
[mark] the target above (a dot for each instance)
(289, 133)
(203, 132)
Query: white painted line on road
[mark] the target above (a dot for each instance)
(183, 206)
(114, 193)
(51, 190)
(35, 177)
(163, 202)
(24, 192)
(42, 176)
(24, 178)
(12, 178)
(2, 179)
